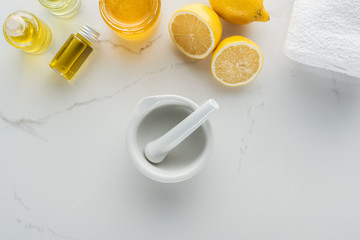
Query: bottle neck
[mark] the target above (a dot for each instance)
(89, 34)
(15, 26)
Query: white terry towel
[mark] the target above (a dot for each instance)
(326, 34)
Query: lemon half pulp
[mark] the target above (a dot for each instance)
(236, 61)
(195, 30)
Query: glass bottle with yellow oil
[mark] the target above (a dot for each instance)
(131, 19)
(74, 52)
(62, 8)
(25, 31)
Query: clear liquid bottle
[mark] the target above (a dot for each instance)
(74, 52)
(25, 31)
(62, 8)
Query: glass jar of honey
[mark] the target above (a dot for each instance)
(131, 19)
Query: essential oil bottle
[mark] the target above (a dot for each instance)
(74, 52)
(62, 8)
(25, 31)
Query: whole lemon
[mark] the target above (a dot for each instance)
(241, 11)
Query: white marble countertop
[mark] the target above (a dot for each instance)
(285, 163)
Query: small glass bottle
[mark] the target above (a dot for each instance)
(131, 19)
(74, 52)
(25, 31)
(62, 8)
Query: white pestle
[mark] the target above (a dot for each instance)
(156, 150)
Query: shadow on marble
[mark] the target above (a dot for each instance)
(131, 47)
(230, 29)
(324, 96)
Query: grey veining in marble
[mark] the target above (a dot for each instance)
(284, 164)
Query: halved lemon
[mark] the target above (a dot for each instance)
(196, 30)
(236, 61)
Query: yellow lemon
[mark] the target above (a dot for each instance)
(236, 61)
(196, 30)
(241, 11)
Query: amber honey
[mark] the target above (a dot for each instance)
(131, 19)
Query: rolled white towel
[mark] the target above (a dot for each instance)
(326, 34)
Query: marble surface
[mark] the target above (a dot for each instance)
(285, 163)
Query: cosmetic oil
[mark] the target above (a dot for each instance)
(25, 31)
(74, 52)
(62, 8)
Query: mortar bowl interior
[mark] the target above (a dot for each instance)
(151, 122)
